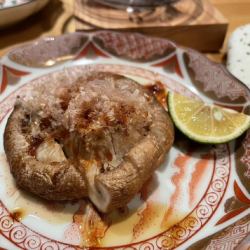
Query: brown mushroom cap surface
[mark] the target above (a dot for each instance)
(101, 136)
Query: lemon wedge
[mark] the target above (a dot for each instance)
(206, 123)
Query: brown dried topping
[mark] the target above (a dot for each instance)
(35, 143)
(45, 123)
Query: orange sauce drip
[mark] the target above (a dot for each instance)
(91, 225)
(147, 217)
(18, 214)
(160, 92)
(108, 155)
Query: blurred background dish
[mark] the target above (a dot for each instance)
(183, 21)
(14, 11)
(135, 7)
(135, 3)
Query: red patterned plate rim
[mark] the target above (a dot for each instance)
(189, 52)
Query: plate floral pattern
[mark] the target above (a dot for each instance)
(198, 197)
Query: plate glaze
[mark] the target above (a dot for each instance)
(198, 197)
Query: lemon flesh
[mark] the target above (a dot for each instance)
(206, 123)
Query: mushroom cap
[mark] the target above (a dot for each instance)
(101, 137)
(52, 180)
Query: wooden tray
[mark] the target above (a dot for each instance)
(193, 23)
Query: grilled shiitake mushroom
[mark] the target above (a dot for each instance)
(101, 137)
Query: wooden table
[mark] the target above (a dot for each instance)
(56, 18)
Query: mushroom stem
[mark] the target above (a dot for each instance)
(116, 188)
